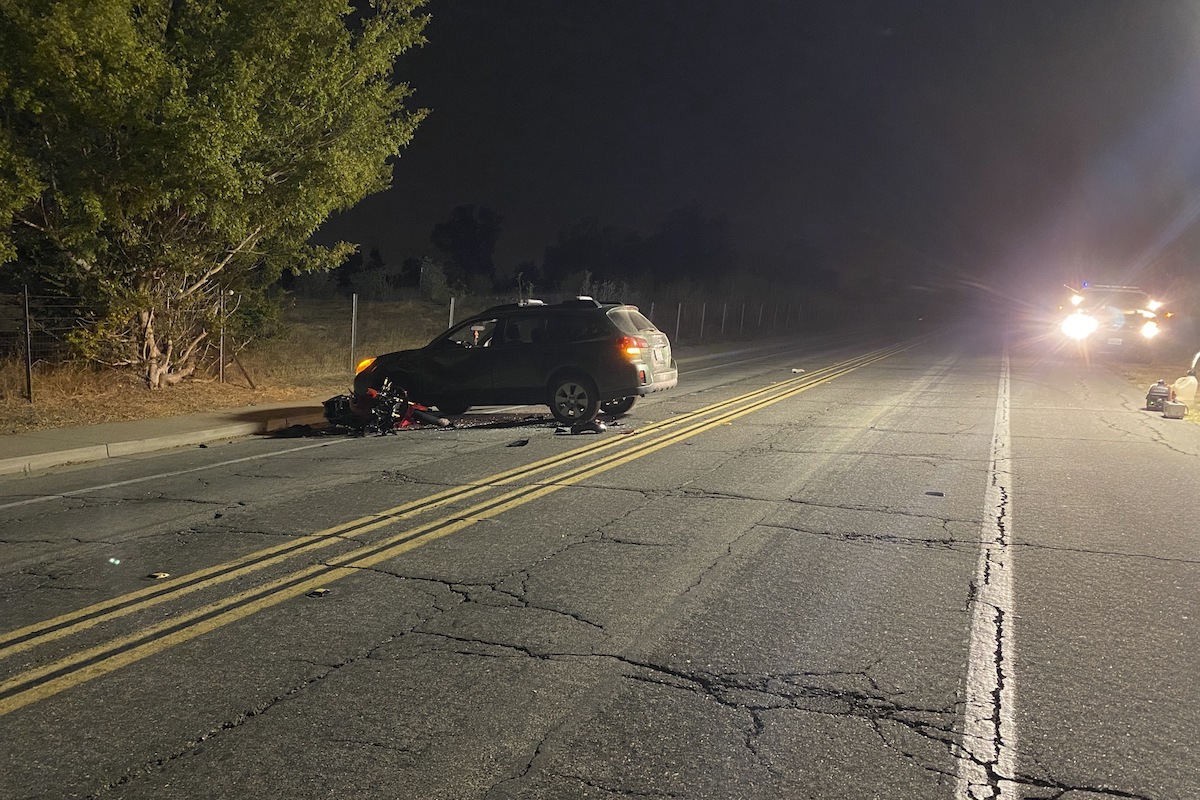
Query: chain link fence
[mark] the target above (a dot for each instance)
(691, 322)
(36, 329)
(325, 337)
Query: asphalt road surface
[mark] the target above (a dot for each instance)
(951, 567)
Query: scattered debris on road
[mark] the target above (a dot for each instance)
(591, 426)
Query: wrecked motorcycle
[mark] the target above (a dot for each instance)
(382, 411)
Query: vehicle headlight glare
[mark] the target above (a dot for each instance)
(1079, 326)
(1150, 329)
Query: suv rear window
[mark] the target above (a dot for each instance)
(630, 320)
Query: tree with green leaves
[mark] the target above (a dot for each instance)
(156, 154)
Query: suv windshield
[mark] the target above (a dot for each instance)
(1126, 301)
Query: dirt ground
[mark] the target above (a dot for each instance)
(1144, 376)
(57, 407)
(310, 360)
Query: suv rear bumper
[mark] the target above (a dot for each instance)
(659, 381)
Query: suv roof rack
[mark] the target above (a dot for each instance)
(504, 307)
(581, 300)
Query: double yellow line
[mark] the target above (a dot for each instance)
(37, 683)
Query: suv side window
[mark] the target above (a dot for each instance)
(576, 327)
(524, 329)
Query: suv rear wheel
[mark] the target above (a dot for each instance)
(573, 399)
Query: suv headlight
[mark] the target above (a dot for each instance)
(1079, 326)
(1150, 329)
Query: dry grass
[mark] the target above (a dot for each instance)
(69, 396)
(309, 360)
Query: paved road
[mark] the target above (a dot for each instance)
(941, 569)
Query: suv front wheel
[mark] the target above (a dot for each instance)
(616, 408)
(453, 408)
(573, 399)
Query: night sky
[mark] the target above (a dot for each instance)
(1001, 141)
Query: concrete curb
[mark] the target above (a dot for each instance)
(39, 461)
(119, 448)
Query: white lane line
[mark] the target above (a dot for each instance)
(988, 763)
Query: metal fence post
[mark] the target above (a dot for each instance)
(724, 309)
(451, 325)
(761, 307)
(703, 311)
(353, 330)
(221, 339)
(28, 348)
(678, 320)
(742, 326)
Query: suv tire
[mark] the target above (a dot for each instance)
(573, 399)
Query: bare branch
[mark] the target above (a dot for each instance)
(187, 353)
(172, 378)
(30, 223)
(204, 278)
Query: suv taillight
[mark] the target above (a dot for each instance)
(632, 345)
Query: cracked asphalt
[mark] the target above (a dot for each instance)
(779, 606)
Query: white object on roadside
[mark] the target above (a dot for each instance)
(1173, 409)
(1184, 390)
(796, 370)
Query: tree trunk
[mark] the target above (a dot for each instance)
(150, 352)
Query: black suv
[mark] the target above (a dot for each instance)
(579, 357)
